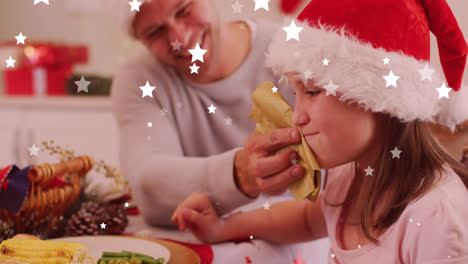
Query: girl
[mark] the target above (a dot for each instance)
(364, 97)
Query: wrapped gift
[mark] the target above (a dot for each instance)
(37, 81)
(44, 54)
(40, 68)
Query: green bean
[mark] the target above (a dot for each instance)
(136, 254)
(115, 254)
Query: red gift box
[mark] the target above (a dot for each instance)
(44, 54)
(47, 55)
(37, 80)
(41, 68)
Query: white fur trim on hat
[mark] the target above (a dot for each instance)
(358, 69)
(120, 10)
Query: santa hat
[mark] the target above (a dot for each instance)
(290, 6)
(355, 36)
(120, 11)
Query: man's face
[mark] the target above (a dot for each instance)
(161, 24)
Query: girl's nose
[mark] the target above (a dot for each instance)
(299, 118)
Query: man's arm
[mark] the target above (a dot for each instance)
(152, 158)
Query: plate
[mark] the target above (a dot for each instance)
(99, 244)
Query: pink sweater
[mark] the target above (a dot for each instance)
(432, 229)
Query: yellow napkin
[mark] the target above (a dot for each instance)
(271, 111)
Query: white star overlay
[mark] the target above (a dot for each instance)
(444, 91)
(212, 109)
(237, 7)
(135, 5)
(39, 1)
(266, 206)
(294, 161)
(307, 75)
(176, 45)
(395, 153)
(197, 53)
(194, 68)
(33, 151)
(386, 60)
(147, 90)
(369, 171)
(292, 31)
(391, 79)
(82, 84)
(325, 62)
(20, 38)
(261, 4)
(103, 225)
(426, 73)
(150, 124)
(127, 204)
(251, 237)
(331, 88)
(10, 62)
(228, 121)
(274, 89)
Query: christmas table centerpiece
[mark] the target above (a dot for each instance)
(63, 199)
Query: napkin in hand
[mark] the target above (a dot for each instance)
(271, 111)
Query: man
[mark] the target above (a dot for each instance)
(187, 133)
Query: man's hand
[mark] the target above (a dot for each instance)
(198, 215)
(256, 170)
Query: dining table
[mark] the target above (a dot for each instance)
(185, 248)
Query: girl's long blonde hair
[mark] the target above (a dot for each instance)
(402, 180)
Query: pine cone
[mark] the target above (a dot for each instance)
(115, 218)
(92, 207)
(42, 234)
(82, 223)
(7, 229)
(87, 220)
(33, 223)
(90, 216)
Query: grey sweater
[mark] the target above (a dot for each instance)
(187, 149)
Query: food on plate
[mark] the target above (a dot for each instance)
(29, 249)
(25, 236)
(128, 257)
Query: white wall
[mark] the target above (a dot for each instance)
(108, 44)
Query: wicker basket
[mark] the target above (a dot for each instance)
(53, 201)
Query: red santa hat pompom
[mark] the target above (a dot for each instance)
(378, 55)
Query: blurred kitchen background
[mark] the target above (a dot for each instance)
(65, 40)
(70, 38)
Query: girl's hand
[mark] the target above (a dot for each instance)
(198, 215)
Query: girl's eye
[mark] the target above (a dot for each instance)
(312, 93)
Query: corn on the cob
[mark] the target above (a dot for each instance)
(43, 252)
